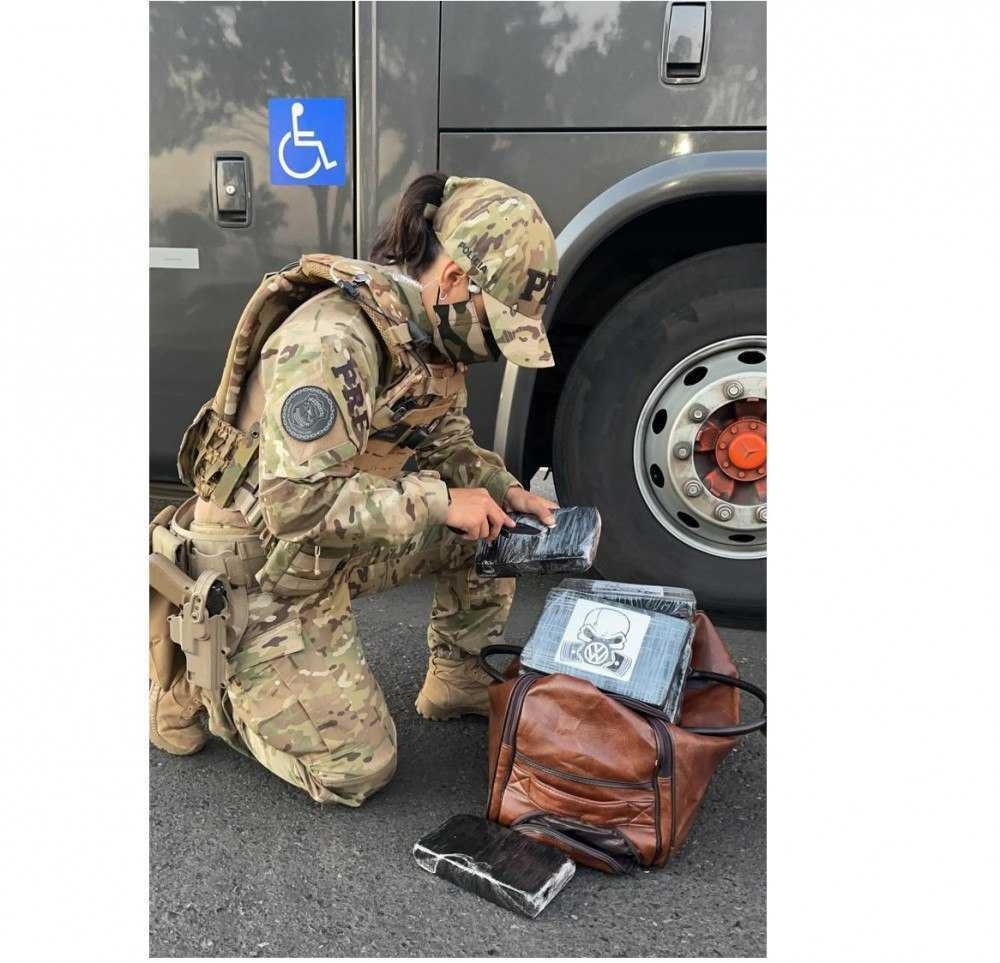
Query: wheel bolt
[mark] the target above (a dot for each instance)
(761, 513)
(724, 513)
(683, 450)
(733, 389)
(692, 488)
(698, 413)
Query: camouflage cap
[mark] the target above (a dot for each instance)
(497, 235)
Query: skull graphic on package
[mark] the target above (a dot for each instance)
(600, 640)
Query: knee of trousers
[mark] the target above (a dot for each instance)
(306, 703)
(347, 775)
(351, 774)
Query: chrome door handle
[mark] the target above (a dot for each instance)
(686, 28)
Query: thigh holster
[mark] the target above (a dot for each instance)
(210, 621)
(206, 581)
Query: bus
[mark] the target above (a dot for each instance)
(639, 127)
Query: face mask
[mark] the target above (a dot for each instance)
(459, 335)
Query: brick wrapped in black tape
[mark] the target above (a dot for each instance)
(569, 546)
(494, 862)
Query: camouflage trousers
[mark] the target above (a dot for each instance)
(301, 696)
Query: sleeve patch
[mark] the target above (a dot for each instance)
(308, 413)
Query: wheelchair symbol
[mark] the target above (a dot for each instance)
(303, 138)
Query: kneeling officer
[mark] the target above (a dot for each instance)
(334, 460)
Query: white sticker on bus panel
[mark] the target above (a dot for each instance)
(185, 258)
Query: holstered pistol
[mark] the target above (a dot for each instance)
(208, 626)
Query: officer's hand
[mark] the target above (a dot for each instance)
(473, 511)
(519, 500)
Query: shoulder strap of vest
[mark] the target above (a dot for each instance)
(276, 297)
(379, 297)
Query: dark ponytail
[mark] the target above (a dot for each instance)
(407, 239)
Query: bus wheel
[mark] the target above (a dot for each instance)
(662, 424)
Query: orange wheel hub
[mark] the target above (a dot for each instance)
(741, 449)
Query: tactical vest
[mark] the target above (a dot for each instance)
(219, 461)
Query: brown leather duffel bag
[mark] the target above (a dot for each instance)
(606, 779)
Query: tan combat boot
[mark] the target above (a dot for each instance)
(455, 685)
(173, 722)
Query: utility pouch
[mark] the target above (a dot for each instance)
(298, 569)
(382, 457)
(165, 662)
(164, 542)
(215, 456)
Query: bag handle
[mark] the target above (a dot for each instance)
(488, 651)
(699, 675)
(695, 675)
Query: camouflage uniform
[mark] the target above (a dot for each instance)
(336, 521)
(301, 695)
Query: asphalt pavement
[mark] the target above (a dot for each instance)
(243, 865)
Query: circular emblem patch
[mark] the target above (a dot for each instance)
(308, 413)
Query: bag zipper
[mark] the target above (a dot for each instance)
(510, 720)
(619, 869)
(664, 761)
(514, 708)
(572, 777)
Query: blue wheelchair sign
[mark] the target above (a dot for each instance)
(308, 137)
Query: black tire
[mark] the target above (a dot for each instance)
(707, 298)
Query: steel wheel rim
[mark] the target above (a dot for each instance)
(666, 477)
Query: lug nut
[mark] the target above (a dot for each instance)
(733, 389)
(761, 513)
(682, 450)
(724, 513)
(692, 489)
(698, 413)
